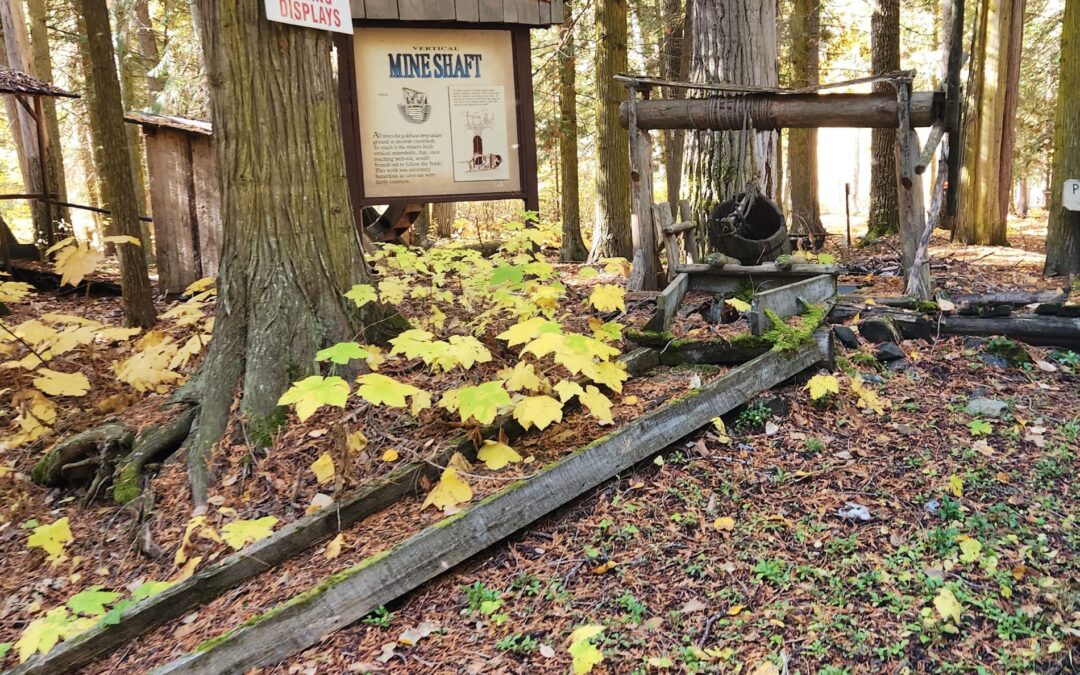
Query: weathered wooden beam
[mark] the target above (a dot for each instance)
(667, 304)
(1047, 331)
(349, 595)
(676, 228)
(775, 111)
(730, 278)
(284, 544)
(787, 300)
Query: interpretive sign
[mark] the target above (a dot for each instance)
(437, 113)
(1070, 194)
(334, 15)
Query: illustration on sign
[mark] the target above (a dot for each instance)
(334, 15)
(437, 112)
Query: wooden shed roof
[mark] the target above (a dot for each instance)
(18, 82)
(155, 121)
(526, 12)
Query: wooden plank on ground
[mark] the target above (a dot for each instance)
(667, 303)
(353, 593)
(284, 544)
(784, 300)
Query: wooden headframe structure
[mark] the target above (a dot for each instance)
(28, 92)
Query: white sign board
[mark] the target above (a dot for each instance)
(1070, 194)
(437, 112)
(335, 15)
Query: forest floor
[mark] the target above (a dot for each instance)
(726, 555)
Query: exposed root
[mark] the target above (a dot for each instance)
(77, 458)
(152, 444)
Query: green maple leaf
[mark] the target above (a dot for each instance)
(51, 538)
(481, 402)
(148, 589)
(112, 617)
(538, 411)
(342, 353)
(240, 533)
(507, 274)
(362, 294)
(980, 428)
(584, 653)
(91, 601)
(312, 393)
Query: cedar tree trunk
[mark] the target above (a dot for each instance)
(573, 247)
(290, 249)
(731, 41)
(115, 168)
(883, 217)
(611, 233)
(802, 143)
(1063, 236)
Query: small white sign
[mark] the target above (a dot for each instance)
(335, 15)
(1070, 194)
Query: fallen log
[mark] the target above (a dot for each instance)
(286, 543)
(352, 593)
(1043, 331)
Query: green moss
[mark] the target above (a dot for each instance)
(649, 338)
(262, 430)
(787, 337)
(928, 306)
(126, 484)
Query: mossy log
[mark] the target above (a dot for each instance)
(107, 441)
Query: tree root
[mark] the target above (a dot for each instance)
(113, 451)
(152, 444)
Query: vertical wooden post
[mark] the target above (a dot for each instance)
(909, 194)
(644, 272)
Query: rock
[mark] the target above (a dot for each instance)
(898, 365)
(890, 351)
(879, 330)
(995, 361)
(1070, 309)
(846, 336)
(973, 342)
(979, 392)
(1048, 308)
(986, 407)
(905, 429)
(932, 506)
(872, 377)
(914, 327)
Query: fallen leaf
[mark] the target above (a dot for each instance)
(323, 468)
(724, 523)
(410, 636)
(333, 549)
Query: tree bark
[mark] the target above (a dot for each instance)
(1063, 235)
(54, 155)
(18, 56)
(675, 65)
(444, 214)
(134, 98)
(116, 171)
(573, 247)
(802, 143)
(611, 232)
(731, 41)
(290, 247)
(883, 217)
(990, 122)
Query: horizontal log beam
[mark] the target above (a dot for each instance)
(781, 111)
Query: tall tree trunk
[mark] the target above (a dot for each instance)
(422, 227)
(18, 56)
(611, 233)
(802, 143)
(573, 247)
(132, 89)
(990, 122)
(938, 214)
(54, 156)
(675, 65)
(116, 171)
(444, 214)
(290, 248)
(883, 217)
(731, 41)
(1063, 235)
(147, 47)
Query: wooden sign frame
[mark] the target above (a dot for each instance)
(525, 118)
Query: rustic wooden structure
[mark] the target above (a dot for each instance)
(28, 92)
(525, 12)
(184, 196)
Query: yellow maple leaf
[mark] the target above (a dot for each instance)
(948, 606)
(598, 404)
(721, 430)
(323, 468)
(74, 262)
(148, 368)
(51, 538)
(585, 654)
(122, 239)
(724, 523)
(55, 383)
(611, 374)
(240, 533)
(391, 455)
(821, 386)
(14, 291)
(333, 549)
(538, 411)
(522, 376)
(450, 491)
(496, 455)
(568, 389)
(527, 330)
(737, 304)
